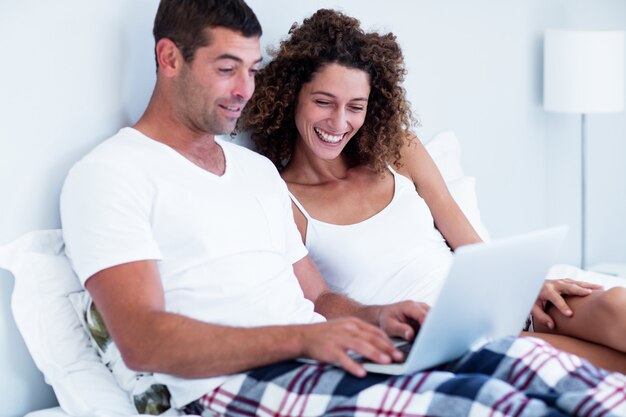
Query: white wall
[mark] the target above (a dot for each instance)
(73, 72)
(476, 67)
(606, 185)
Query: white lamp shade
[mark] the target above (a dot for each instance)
(583, 71)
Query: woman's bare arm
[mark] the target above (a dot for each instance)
(419, 167)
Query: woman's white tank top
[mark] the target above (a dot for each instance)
(395, 255)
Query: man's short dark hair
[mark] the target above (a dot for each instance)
(184, 22)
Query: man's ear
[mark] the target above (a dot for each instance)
(169, 57)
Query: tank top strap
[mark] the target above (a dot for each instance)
(300, 207)
(393, 171)
(399, 179)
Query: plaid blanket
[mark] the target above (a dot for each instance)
(508, 377)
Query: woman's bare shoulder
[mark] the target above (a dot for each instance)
(412, 155)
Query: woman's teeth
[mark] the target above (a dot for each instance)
(326, 137)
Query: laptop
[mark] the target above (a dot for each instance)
(488, 293)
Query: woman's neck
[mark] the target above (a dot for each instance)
(305, 168)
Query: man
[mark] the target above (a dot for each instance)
(188, 247)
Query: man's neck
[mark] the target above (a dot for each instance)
(199, 148)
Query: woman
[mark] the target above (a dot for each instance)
(373, 210)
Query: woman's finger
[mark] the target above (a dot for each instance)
(540, 316)
(588, 285)
(560, 304)
(572, 289)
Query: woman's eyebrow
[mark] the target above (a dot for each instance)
(325, 93)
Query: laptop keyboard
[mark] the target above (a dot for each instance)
(403, 346)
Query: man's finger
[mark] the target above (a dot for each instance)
(396, 328)
(376, 336)
(376, 350)
(352, 367)
(417, 312)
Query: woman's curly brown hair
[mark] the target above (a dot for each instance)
(329, 36)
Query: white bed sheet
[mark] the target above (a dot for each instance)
(569, 271)
(50, 412)
(58, 412)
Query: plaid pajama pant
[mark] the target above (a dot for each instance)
(508, 377)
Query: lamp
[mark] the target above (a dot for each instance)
(583, 73)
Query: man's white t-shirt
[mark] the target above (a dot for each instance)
(225, 244)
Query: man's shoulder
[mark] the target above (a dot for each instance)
(124, 153)
(121, 158)
(117, 149)
(117, 169)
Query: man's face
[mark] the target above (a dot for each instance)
(213, 89)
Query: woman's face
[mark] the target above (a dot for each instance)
(331, 109)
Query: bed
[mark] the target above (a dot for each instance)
(83, 70)
(49, 307)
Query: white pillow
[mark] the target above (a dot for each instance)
(52, 331)
(445, 150)
(568, 271)
(148, 396)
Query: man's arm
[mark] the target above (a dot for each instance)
(131, 301)
(399, 319)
